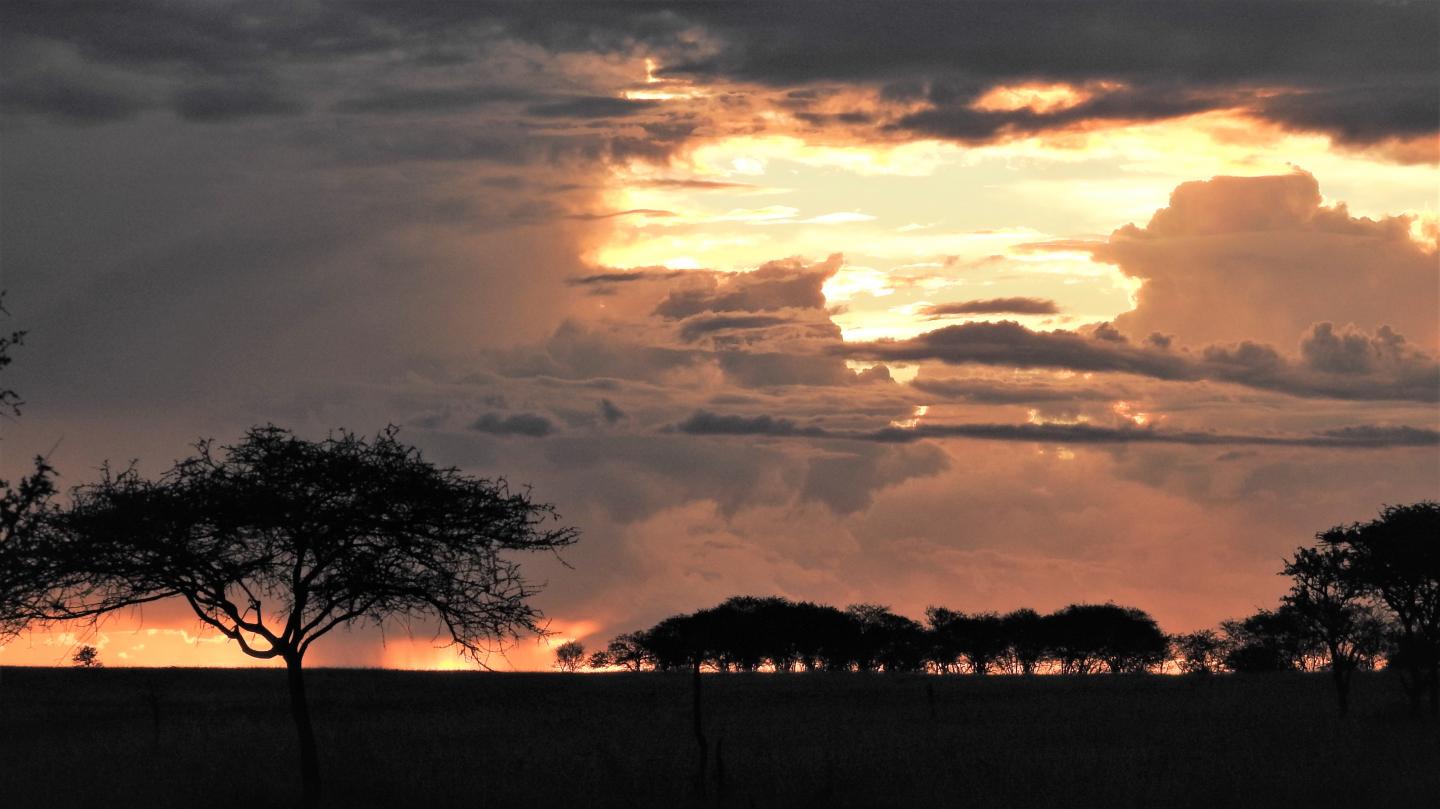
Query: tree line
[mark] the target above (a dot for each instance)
(1364, 595)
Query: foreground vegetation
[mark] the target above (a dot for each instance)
(220, 738)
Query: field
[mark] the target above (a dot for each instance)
(222, 738)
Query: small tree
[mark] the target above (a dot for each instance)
(1269, 640)
(1200, 652)
(87, 657)
(276, 541)
(570, 655)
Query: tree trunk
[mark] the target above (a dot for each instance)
(1341, 675)
(300, 712)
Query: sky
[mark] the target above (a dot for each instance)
(973, 304)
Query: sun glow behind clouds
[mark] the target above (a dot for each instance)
(927, 221)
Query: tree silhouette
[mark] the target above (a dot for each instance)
(275, 541)
(980, 639)
(1199, 652)
(1395, 558)
(9, 398)
(26, 581)
(87, 657)
(570, 655)
(1328, 597)
(626, 651)
(886, 641)
(1086, 637)
(1269, 640)
(1025, 630)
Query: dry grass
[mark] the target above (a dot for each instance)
(221, 738)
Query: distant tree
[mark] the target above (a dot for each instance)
(827, 638)
(570, 655)
(276, 541)
(674, 643)
(1395, 558)
(1199, 652)
(886, 641)
(979, 639)
(1087, 637)
(628, 652)
(947, 647)
(1025, 633)
(87, 657)
(1329, 598)
(1269, 640)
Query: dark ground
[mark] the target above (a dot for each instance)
(222, 738)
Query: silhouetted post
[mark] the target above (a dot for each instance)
(300, 712)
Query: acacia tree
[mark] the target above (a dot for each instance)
(276, 541)
(1330, 600)
(25, 582)
(570, 656)
(1395, 558)
(1199, 652)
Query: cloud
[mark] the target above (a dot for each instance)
(592, 107)
(694, 185)
(1001, 392)
(993, 306)
(229, 101)
(409, 100)
(704, 422)
(629, 276)
(527, 424)
(1400, 374)
(784, 284)
(700, 326)
(1260, 258)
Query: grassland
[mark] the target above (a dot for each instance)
(223, 738)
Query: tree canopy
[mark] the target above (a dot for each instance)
(275, 541)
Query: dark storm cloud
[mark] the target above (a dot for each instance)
(959, 122)
(592, 107)
(68, 99)
(404, 100)
(994, 306)
(1360, 114)
(514, 424)
(704, 422)
(218, 103)
(1360, 71)
(1379, 368)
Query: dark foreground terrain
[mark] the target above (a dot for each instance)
(222, 738)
